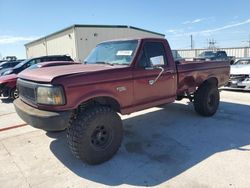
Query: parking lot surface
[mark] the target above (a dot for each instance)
(167, 146)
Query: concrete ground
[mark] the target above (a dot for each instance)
(168, 146)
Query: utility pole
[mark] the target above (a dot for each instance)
(211, 44)
(192, 42)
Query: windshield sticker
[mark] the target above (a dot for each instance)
(125, 52)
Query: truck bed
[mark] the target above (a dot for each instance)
(193, 73)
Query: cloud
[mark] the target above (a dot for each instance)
(6, 39)
(193, 21)
(207, 32)
(225, 27)
(175, 31)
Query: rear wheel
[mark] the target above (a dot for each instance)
(206, 100)
(14, 94)
(95, 135)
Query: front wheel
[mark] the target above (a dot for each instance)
(95, 135)
(206, 100)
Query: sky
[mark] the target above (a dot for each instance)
(226, 22)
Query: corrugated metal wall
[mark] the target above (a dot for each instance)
(237, 52)
(79, 41)
(88, 38)
(62, 43)
(37, 49)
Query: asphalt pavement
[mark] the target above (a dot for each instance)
(167, 146)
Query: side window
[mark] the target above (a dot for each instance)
(221, 55)
(7, 65)
(44, 59)
(153, 55)
(224, 55)
(32, 62)
(29, 63)
(49, 59)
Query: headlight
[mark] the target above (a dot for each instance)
(53, 95)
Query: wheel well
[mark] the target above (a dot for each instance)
(104, 101)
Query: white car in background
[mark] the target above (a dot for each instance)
(240, 75)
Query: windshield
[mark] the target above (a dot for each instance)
(207, 54)
(113, 53)
(243, 62)
(2, 63)
(21, 64)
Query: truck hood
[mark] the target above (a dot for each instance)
(47, 74)
(240, 69)
(7, 78)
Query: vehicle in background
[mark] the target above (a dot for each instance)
(51, 63)
(239, 75)
(120, 76)
(27, 63)
(215, 56)
(231, 59)
(9, 58)
(5, 66)
(8, 82)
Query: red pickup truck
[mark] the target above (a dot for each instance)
(121, 76)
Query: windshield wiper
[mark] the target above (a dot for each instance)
(120, 64)
(105, 63)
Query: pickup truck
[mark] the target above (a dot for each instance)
(215, 56)
(120, 76)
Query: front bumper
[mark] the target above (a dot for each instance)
(46, 120)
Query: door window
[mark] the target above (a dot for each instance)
(153, 54)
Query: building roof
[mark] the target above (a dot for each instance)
(98, 26)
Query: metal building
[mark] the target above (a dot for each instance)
(78, 40)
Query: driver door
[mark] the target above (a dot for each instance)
(154, 79)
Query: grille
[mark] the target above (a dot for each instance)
(239, 77)
(26, 90)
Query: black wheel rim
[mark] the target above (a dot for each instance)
(15, 94)
(101, 137)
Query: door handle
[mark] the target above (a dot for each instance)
(170, 71)
(152, 82)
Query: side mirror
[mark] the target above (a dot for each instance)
(152, 82)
